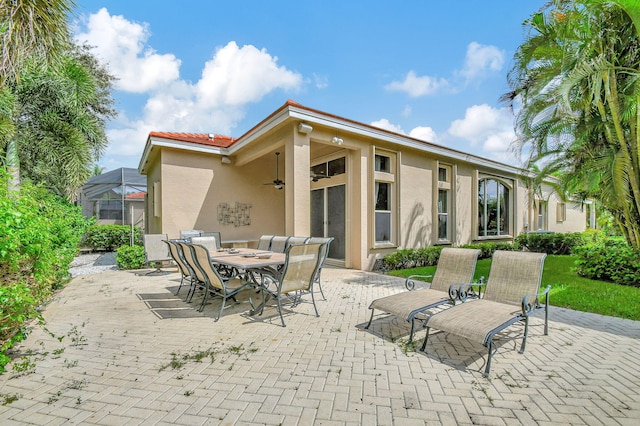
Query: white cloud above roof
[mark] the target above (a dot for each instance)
(491, 127)
(480, 59)
(122, 45)
(234, 77)
(241, 75)
(416, 86)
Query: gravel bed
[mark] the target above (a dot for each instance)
(93, 263)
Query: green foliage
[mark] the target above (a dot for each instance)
(130, 257)
(611, 260)
(550, 243)
(410, 258)
(428, 256)
(39, 236)
(488, 248)
(110, 237)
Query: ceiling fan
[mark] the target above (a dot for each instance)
(277, 183)
(317, 176)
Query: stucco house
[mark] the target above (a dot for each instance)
(305, 172)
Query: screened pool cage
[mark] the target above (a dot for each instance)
(115, 197)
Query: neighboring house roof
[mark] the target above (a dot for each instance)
(136, 196)
(222, 145)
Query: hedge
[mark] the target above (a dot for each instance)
(39, 236)
(110, 237)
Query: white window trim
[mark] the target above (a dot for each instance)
(391, 178)
(511, 185)
(449, 186)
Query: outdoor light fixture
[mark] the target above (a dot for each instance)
(304, 128)
(337, 140)
(225, 159)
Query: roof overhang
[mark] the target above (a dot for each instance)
(299, 113)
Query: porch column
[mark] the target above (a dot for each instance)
(297, 184)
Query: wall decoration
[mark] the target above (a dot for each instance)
(236, 216)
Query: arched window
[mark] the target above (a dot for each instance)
(493, 208)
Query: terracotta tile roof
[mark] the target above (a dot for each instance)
(136, 196)
(199, 138)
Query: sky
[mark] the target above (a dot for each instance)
(429, 69)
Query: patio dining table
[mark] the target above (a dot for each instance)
(254, 263)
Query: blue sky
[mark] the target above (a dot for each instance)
(433, 70)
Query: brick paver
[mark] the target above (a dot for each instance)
(132, 353)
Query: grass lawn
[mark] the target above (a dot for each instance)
(568, 289)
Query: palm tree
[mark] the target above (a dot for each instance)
(64, 108)
(576, 78)
(34, 28)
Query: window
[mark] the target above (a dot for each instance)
(383, 164)
(561, 212)
(443, 215)
(493, 208)
(444, 203)
(331, 168)
(541, 215)
(383, 212)
(385, 199)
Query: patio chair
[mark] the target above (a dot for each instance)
(185, 270)
(450, 282)
(511, 296)
(324, 253)
(187, 234)
(296, 276)
(264, 243)
(198, 280)
(296, 241)
(214, 282)
(210, 242)
(279, 244)
(156, 251)
(213, 234)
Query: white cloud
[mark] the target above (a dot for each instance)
(321, 81)
(121, 44)
(481, 58)
(387, 125)
(416, 86)
(424, 133)
(236, 76)
(488, 126)
(232, 78)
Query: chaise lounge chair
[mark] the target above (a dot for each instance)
(455, 266)
(511, 295)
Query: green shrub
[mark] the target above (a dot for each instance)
(611, 260)
(488, 248)
(550, 243)
(110, 237)
(130, 257)
(412, 258)
(39, 236)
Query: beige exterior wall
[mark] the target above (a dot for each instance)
(193, 185)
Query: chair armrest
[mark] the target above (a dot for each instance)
(462, 291)
(410, 284)
(531, 302)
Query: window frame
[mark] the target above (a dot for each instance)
(443, 178)
(509, 185)
(384, 177)
(561, 212)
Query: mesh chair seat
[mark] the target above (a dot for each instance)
(512, 293)
(455, 266)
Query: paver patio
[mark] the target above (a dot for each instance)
(130, 349)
